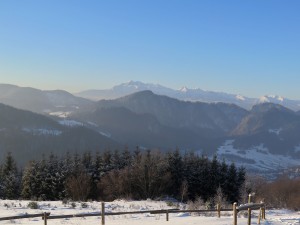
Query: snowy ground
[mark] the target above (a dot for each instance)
(13, 208)
(257, 157)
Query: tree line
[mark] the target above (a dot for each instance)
(121, 174)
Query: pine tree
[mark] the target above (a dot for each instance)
(126, 158)
(107, 162)
(175, 168)
(231, 189)
(87, 162)
(52, 178)
(241, 178)
(214, 176)
(1, 184)
(42, 187)
(97, 173)
(29, 186)
(10, 178)
(116, 163)
(223, 176)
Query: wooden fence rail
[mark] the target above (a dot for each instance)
(46, 216)
(26, 216)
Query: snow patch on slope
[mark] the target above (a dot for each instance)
(92, 124)
(255, 158)
(275, 131)
(106, 134)
(42, 131)
(70, 123)
(60, 114)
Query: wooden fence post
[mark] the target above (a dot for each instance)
(249, 216)
(259, 216)
(219, 210)
(167, 215)
(103, 213)
(234, 214)
(45, 218)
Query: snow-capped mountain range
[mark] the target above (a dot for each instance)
(265, 137)
(187, 94)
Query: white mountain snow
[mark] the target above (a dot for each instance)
(187, 94)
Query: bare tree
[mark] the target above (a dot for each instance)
(220, 198)
(184, 190)
(78, 186)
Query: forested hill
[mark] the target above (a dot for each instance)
(28, 136)
(265, 138)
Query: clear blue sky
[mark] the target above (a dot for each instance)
(250, 47)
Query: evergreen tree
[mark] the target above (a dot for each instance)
(241, 178)
(116, 163)
(76, 164)
(29, 186)
(52, 178)
(214, 176)
(87, 162)
(126, 158)
(223, 176)
(231, 189)
(1, 184)
(42, 187)
(107, 162)
(97, 173)
(175, 168)
(10, 178)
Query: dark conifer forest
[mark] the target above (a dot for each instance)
(121, 174)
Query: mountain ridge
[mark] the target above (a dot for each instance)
(150, 120)
(187, 94)
(28, 135)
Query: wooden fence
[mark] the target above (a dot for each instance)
(249, 207)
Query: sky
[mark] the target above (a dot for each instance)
(249, 47)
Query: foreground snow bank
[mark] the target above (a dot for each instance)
(13, 208)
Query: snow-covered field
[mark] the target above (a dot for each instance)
(13, 208)
(256, 158)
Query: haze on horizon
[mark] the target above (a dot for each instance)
(241, 47)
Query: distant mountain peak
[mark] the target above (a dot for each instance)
(271, 98)
(263, 99)
(240, 97)
(132, 83)
(184, 89)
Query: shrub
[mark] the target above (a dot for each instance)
(33, 205)
(169, 203)
(84, 205)
(73, 204)
(65, 201)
